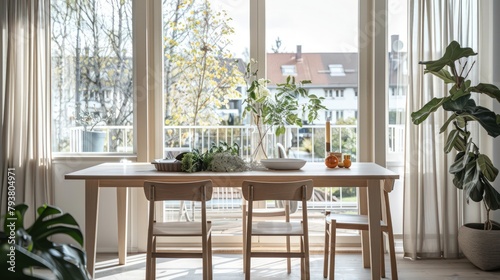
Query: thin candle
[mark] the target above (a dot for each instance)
(327, 135)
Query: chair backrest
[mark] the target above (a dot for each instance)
(190, 191)
(294, 190)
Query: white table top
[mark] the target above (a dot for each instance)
(130, 174)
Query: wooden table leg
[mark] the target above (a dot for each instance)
(363, 210)
(122, 211)
(374, 217)
(91, 214)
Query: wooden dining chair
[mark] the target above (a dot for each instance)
(287, 191)
(358, 222)
(283, 209)
(198, 191)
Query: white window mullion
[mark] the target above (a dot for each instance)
(258, 35)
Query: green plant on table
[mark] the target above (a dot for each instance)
(473, 171)
(280, 108)
(219, 158)
(33, 248)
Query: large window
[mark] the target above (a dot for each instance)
(92, 89)
(206, 47)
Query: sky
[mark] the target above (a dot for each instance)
(317, 25)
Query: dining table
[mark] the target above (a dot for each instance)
(133, 174)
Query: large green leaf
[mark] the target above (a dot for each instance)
(445, 125)
(453, 137)
(457, 104)
(488, 89)
(459, 164)
(485, 117)
(491, 196)
(50, 222)
(443, 74)
(462, 91)
(68, 260)
(458, 179)
(473, 187)
(489, 171)
(453, 53)
(419, 116)
(23, 262)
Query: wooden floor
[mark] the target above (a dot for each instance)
(228, 267)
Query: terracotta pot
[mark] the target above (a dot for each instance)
(481, 247)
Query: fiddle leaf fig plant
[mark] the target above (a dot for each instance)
(473, 171)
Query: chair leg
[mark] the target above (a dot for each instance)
(333, 233)
(302, 260)
(325, 248)
(288, 260)
(244, 233)
(153, 261)
(248, 253)
(306, 255)
(148, 261)
(392, 253)
(382, 256)
(210, 263)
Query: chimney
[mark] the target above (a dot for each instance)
(298, 56)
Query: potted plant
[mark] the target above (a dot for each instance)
(22, 250)
(275, 111)
(92, 141)
(473, 171)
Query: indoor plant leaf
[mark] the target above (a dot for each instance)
(443, 74)
(431, 106)
(491, 197)
(458, 104)
(453, 137)
(488, 89)
(453, 52)
(489, 171)
(24, 261)
(445, 125)
(485, 117)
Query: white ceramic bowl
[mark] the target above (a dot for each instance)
(283, 163)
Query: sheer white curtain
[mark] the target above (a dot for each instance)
(432, 204)
(25, 102)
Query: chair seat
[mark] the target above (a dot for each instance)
(356, 221)
(277, 228)
(179, 229)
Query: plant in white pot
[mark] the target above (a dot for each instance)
(473, 171)
(92, 141)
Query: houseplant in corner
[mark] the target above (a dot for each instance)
(473, 171)
(29, 253)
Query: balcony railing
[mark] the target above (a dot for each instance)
(303, 142)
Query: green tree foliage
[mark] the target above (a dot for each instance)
(201, 74)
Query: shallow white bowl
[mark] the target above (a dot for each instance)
(283, 163)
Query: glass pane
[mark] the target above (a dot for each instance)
(92, 89)
(205, 44)
(318, 41)
(398, 78)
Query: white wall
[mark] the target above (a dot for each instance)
(70, 197)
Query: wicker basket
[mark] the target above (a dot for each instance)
(168, 165)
